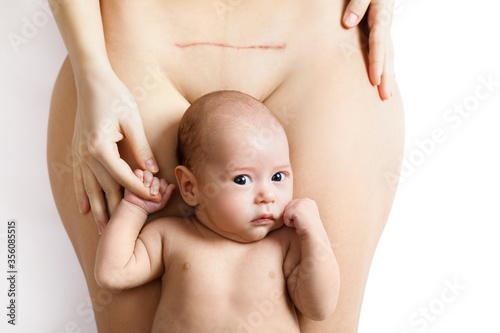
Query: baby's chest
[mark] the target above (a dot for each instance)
(245, 271)
(224, 286)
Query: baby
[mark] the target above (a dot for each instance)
(232, 266)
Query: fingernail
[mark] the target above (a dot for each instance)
(151, 165)
(100, 228)
(80, 208)
(351, 19)
(154, 191)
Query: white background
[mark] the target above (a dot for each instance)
(443, 228)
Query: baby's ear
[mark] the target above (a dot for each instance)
(187, 183)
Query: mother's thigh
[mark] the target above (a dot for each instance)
(125, 311)
(345, 145)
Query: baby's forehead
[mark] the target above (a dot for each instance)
(241, 113)
(250, 127)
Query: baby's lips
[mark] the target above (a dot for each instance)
(265, 217)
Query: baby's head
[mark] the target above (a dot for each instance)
(235, 168)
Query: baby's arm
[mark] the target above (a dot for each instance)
(310, 266)
(127, 257)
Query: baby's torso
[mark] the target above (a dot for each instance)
(224, 286)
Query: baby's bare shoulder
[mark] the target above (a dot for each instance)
(168, 226)
(172, 232)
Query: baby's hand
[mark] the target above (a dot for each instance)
(158, 188)
(303, 215)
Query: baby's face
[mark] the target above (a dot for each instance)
(246, 184)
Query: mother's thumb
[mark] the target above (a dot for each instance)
(140, 147)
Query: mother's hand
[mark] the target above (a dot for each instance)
(107, 113)
(380, 50)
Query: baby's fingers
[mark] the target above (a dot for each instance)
(148, 178)
(160, 186)
(289, 214)
(139, 173)
(289, 222)
(163, 186)
(166, 190)
(149, 181)
(155, 186)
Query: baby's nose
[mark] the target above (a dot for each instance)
(266, 195)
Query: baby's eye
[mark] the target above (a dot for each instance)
(278, 177)
(241, 180)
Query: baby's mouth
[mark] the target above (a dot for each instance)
(264, 219)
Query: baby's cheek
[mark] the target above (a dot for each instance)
(230, 205)
(286, 198)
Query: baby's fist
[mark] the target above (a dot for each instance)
(303, 215)
(158, 188)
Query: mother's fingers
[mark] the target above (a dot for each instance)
(81, 195)
(381, 60)
(110, 158)
(354, 12)
(380, 51)
(380, 57)
(96, 197)
(112, 190)
(134, 132)
(376, 55)
(387, 81)
(93, 183)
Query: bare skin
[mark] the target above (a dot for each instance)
(344, 139)
(248, 255)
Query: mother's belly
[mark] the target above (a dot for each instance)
(202, 46)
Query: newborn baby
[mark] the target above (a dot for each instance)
(249, 257)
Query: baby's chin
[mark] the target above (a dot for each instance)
(259, 232)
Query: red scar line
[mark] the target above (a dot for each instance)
(262, 47)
